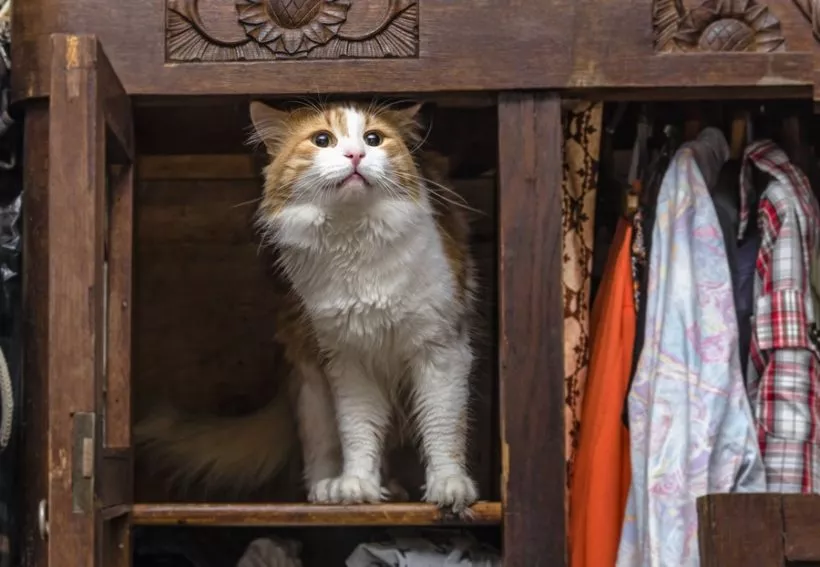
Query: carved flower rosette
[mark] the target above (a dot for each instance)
(730, 25)
(261, 30)
(292, 26)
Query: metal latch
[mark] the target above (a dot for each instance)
(42, 519)
(82, 465)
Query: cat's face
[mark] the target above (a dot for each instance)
(339, 154)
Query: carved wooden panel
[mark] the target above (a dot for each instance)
(811, 10)
(716, 25)
(258, 30)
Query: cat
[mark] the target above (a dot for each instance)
(379, 318)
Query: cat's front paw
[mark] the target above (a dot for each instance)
(347, 489)
(456, 491)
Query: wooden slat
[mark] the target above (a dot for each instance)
(531, 329)
(801, 519)
(213, 166)
(740, 530)
(702, 70)
(116, 106)
(35, 328)
(300, 514)
(116, 538)
(120, 305)
(76, 158)
(115, 479)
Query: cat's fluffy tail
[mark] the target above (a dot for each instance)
(239, 454)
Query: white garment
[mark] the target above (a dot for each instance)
(271, 552)
(453, 551)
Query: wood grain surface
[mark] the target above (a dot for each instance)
(531, 329)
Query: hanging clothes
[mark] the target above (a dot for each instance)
(642, 224)
(582, 139)
(784, 369)
(740, 252)
(691, 428)
(602, 473)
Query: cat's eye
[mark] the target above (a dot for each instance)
(322, 139)
(372, 138)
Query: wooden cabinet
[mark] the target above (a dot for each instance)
(134, 248)
(135, 242)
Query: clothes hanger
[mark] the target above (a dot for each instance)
(640, 158)
(615, 121)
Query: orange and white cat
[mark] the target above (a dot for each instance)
(379, 317)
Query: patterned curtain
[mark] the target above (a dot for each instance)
(582, 141)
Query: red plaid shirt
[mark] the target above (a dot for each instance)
(784, 374)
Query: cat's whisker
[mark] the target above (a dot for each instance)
(428, 181)
(381, 108)
(423, 140)
(246, 203)
(459, 200)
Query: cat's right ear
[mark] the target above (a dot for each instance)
(268, 124)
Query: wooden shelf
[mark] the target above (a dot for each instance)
(303, 514)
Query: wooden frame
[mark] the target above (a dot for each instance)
(592, 47)
(87, 377)
(759, 529)
(86, 430)
(531, 337)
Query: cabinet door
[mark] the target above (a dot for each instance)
(87, 368)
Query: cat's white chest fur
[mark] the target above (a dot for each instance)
(377, 284)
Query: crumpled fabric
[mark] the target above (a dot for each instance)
(271, 552)
(460, 550)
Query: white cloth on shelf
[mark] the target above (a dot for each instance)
(271, 552)
(458, 550)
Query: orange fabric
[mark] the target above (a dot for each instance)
(602, 469)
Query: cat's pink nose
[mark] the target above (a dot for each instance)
(354, 156)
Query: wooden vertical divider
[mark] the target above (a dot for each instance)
(531, 329)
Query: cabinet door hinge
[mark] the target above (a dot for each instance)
(82, 464)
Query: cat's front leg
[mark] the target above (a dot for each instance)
(322, 456)
(362, 414)
(441, 393)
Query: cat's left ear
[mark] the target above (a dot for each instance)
(411, 112)
(268, 124)
(408, 121)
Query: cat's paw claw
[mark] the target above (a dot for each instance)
(395, 492)
(346, 489)
(455, 491)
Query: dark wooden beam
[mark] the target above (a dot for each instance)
(531, 329)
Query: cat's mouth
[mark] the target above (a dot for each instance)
(354, 179)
